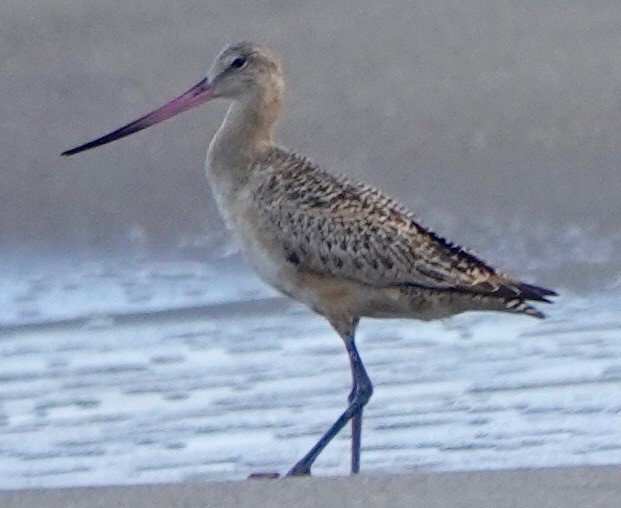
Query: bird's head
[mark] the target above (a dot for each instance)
(243, 71)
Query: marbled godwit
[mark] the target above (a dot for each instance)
(342, 248)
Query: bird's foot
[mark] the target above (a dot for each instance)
(264, 476)
(300, 469)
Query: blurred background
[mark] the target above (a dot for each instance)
(122, 352)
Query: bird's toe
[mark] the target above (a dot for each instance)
(267, 475)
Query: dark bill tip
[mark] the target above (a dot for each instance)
(196, 95)
(108, 138)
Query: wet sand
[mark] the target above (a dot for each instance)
(593, 487)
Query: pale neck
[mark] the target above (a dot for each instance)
(247, 129)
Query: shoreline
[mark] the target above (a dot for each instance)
(593, 486)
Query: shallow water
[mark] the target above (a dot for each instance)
(134, 371)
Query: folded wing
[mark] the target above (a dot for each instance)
(330, 225)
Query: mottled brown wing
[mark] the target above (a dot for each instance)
(330, 225)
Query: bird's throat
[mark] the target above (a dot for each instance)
(245, 136)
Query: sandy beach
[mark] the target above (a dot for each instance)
(593, 487)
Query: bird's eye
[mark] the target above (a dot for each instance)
(238, 63)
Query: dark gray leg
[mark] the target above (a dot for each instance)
(356, 424)
(361, 393)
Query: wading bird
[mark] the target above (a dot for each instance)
(343, 248)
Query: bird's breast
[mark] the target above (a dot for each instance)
(262, 251)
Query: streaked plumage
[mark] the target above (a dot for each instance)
(343, 248)
(329, 225)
